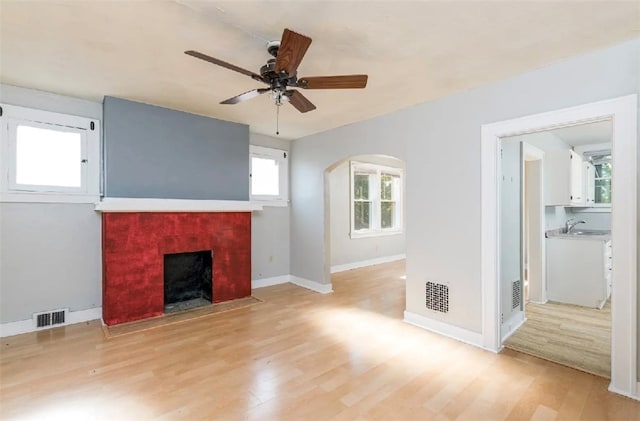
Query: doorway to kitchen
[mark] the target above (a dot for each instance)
(623, 114)
(556, 212)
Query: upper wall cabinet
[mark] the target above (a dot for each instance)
(564, 179)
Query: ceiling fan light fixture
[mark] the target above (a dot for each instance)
(279, 96)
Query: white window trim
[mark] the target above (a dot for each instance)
(376, 170)
(600, 204)
(89, 192)
(282, 157)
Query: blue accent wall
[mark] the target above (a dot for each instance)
(155, 152)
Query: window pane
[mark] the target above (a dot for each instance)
(265, 177)
(48, 157)
(361, 186)
(388, 214)
(603, 191)
(386, 187)
(361, 213)
(388, 183)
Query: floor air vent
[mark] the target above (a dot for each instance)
(517, 294)
(437, 297)
(50, 318)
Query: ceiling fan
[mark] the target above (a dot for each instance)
(280, 74)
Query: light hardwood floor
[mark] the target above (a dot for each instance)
(576, 336)
(298, 355)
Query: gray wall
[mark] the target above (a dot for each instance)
(156, 152)
(594, 220)
(50, 254)
(555, 217)
(344, 249)
(270, 228)
(440, 144)
(51, 258)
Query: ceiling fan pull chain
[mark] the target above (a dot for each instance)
(277, 120)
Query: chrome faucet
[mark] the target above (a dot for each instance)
(572, 223)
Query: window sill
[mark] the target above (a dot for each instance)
(370, 234)
(44, 197)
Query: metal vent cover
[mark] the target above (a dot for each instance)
(437, 297)
(50, 318)
(516, 297)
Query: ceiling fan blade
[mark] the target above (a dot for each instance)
(292, 48)
(333, 82)
(245, 96)
(224, 64)
(299, 101)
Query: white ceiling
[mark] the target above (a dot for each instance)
(413, 51)
(586, 134)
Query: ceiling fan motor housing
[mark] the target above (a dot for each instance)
(275, 79)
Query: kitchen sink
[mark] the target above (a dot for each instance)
(589, 232)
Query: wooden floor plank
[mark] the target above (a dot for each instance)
(297, 355)
(576, 336)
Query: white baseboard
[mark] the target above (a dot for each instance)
(445, 329)
(312, 285)
(267, 282)
(26, 326)
(370, 262)
(514, 324)
(635, 395)
(539, 302)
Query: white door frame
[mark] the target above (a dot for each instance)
(532, 154)
(623, 112)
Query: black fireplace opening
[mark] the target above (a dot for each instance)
(188, 280)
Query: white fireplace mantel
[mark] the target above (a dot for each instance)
(124, 204)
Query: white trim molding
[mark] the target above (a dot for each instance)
(267, 282)
(369, 262)
(312, 285)
(623, 113)
(445, 329)
(514, 323)
(124, 204)
(26, 326)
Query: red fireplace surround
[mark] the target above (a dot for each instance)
(133, 249)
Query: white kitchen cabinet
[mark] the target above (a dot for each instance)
(564, 179)
(589, 184)
(579, 270)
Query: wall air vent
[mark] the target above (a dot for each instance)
(516, 297)
(50, 318)
(437, 297)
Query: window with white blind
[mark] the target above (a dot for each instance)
(376, 200)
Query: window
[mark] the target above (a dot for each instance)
(376, 199)
(603, 180)
(269, 175)
(48, 156)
